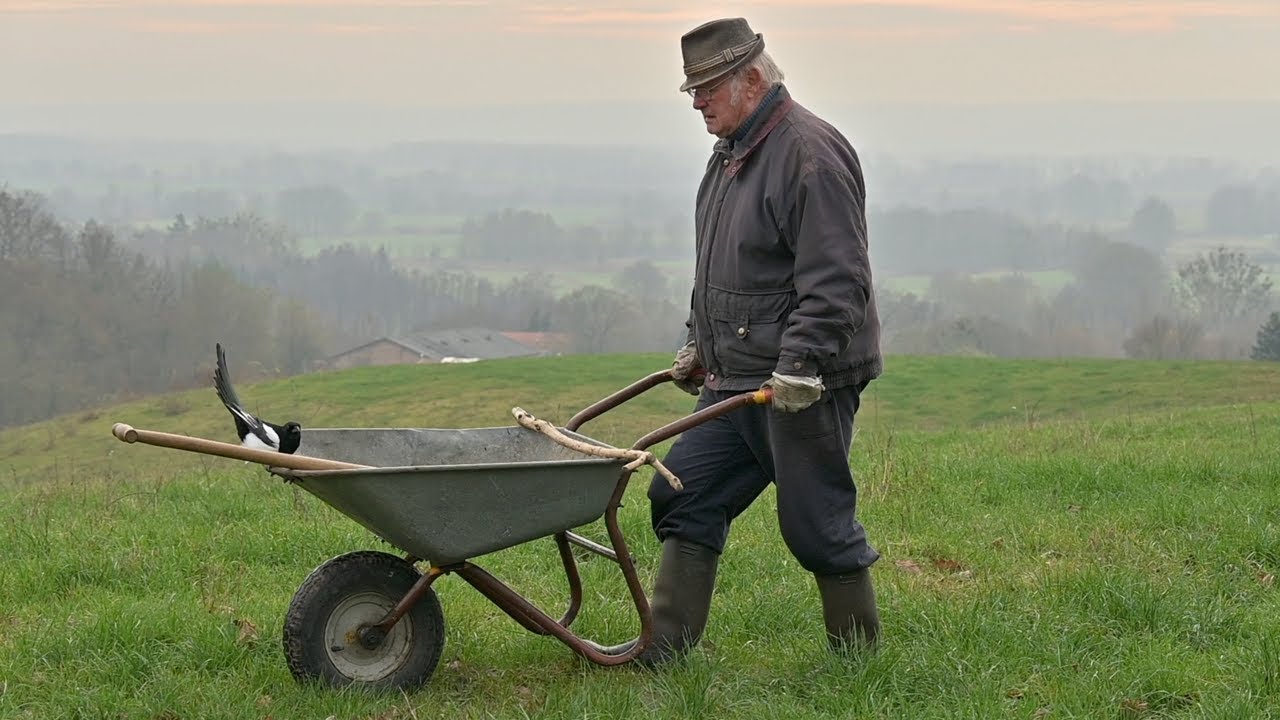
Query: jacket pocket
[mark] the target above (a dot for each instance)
(747, 328)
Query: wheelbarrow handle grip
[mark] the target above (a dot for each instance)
(270, 458)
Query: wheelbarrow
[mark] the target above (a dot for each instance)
(445, 497)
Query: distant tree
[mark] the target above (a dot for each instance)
(28, 229)
(1235, 210)
(1223, 286)
(526, 303)
(974, 336)
(1268, 344)
(512, 235)
(1165, 338)
(643, 281)
(905, 319)
(1009, 299)
(1153, 225)
(299, 337)
(316, 209)
(1116, 285)
(1089, 198)
(202, 202)
(597, 318)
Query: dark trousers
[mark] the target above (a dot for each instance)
(727, 462)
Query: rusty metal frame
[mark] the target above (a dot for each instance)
(525, 612)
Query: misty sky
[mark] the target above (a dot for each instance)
(606, 54)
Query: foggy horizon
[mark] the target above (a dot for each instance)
(1235, 131)
(902, 77)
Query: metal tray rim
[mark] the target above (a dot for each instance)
(398, 469)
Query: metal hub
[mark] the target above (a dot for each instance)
(362, 652)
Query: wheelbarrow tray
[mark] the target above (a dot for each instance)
(448, 495)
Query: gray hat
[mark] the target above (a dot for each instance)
(715, 49)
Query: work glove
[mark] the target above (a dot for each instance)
(793, 393)
(684, 367)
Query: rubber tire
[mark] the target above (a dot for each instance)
(371, 576)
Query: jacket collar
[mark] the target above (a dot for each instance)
(775, 106)
(762, 108)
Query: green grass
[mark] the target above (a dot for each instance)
(914, 394)
(1110, 553)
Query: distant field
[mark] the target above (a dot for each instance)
(402, 246)
(416, 235)
(1049, 282)
(1074, 539)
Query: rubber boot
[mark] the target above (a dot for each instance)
(849, 610)
(680, 604)
(681, 599)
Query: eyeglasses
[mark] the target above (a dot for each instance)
(705, 93)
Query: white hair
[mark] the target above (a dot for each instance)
(770, 74)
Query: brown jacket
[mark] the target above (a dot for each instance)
(783, 280)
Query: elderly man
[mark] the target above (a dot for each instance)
(782, 298)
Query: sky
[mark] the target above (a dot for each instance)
(611, 68)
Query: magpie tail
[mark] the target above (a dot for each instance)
(227, 394)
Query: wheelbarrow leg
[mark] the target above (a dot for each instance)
(529, 616)
(372, 636)
(575, 591)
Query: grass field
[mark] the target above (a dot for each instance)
(1060, 539)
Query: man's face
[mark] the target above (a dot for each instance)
(715, 101)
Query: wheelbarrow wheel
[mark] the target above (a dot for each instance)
(322, 639)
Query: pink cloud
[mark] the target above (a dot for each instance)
(184, 27)
(1016, 16)
(606, 16)
(1113, 14)
(65, 6)
(57, 6)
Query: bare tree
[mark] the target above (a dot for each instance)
(597, 317)
(28, 229)
(1223, 286)
(1165, 338)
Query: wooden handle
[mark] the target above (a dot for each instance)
(129, 434)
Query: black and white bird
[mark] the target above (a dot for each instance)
(254, 432)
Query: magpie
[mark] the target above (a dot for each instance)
(254, 432)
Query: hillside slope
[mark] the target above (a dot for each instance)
(915, 394)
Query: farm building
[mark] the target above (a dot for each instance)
(449, 346)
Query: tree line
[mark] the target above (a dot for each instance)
(1121, 301)
(92, 318)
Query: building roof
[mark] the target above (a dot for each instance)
(460, 343)
(551, 342)
(464, 343)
